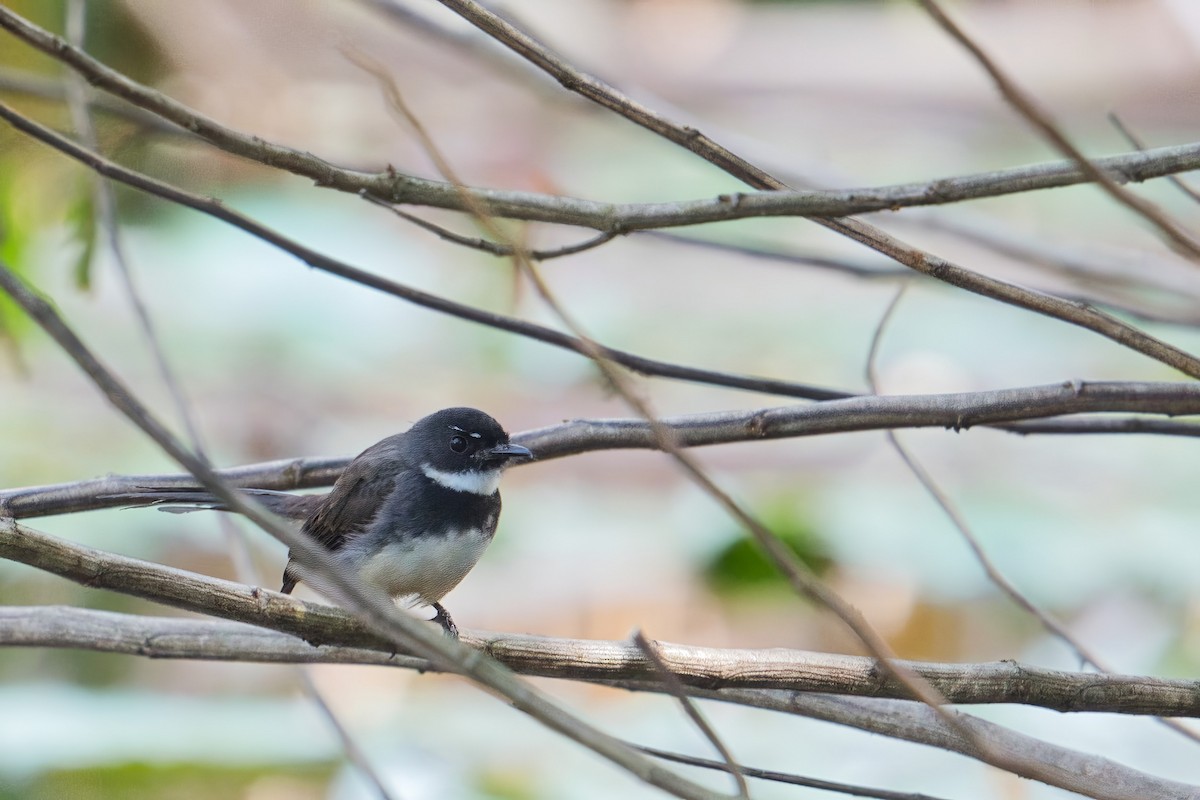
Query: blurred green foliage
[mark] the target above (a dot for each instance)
(152, 782)
(81, 218)
(41, 199)
(113, 36)
(42, 194)
(741, 566)
(506, 785)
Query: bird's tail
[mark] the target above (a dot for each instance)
(182, 501)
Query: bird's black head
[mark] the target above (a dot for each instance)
(463, 449)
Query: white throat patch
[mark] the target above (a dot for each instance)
(476, 482)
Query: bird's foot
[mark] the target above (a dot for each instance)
(443, 618)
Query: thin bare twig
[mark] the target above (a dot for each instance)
(1062, 767)
(787, 777)
(1054, 627)
(106, 211)
(1083, 315)
(675, 687)
(957, 412)
(350, 744)
(1044, 125)
(1135, 307)
(313, 258)
(1137, 142)
(856, 269)
(397, 188)
(486, 246)
(696, 142)
(401, 189)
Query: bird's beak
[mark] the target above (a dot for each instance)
(507, 452)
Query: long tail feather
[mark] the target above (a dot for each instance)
(182, 501)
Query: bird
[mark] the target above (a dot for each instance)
(411, 515)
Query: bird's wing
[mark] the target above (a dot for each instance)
(355, 500)
(356, 497)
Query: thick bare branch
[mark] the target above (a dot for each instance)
(163, 637)
(29, 84)
(317, 629)
(957, 412)
(207, 639)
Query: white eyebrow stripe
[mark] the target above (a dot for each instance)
(472, 434)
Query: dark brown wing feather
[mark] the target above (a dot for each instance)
(353, 503)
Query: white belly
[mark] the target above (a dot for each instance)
(427, 567)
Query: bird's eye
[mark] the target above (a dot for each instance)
(458, 443)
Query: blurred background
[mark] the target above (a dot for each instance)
(279, 360)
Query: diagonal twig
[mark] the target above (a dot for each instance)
(1053, 626)
(696, 142)
(789, 778)
(798, 574)
(399, 188)
(371, 606)
(1058, 766)
(106, 210)
(486, 246)
(214, 208)
(1023, 250)
(675, 687)
(354, 751)
(1137, 142)
(1046, 127)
